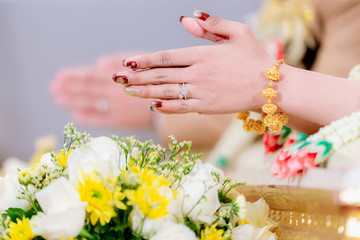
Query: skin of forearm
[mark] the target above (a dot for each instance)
(313, 99)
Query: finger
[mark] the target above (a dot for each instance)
(168, 58)
(176, 106)
(193, 27)
(154, 76)
(219, 26)
(115, 60)
(163, 91)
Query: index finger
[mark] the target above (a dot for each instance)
(182, 57)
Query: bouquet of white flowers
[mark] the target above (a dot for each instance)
(106, 188)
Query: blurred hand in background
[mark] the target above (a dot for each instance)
(95, 100)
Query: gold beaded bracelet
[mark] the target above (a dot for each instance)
(270, 119)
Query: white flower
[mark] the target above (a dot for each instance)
(102, 154)
(9, 187)
(355, 73)
(174, 231)
(250, 232)
(199, 193)
(257, 214)
(46, 160)
(64, 213)
(11, 165)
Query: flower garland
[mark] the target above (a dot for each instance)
(301, 152)
(339, 132)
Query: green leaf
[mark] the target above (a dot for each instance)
(14, 213)
(190, 224)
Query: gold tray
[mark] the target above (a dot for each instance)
(303, 213)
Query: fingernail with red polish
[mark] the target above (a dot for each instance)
(181, 18)
(131, 64)
(120, 79)
(201, 15)
(156, 104)
(123, 63)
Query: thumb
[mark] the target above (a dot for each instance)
(219, 26)
(193, 27)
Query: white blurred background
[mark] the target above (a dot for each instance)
(37, 38)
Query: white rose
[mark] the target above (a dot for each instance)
(64, 213)
(174, 231)
(250, 232)
(199, 193)
(102, 154)
(9, 187)
(152, 226)
(11, 165)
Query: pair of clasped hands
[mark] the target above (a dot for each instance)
(226, 77)
(221, 78)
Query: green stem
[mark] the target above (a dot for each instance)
(85, 234)
(32, 201)
(141, 228)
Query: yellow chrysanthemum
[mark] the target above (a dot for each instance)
(62, 158)
(98, 197)
(20, 230)
(118, 198)
(147, 196)
(211, 233)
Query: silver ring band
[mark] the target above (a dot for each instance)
(183, 91)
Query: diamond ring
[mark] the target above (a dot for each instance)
(183, 91)
(102, 105)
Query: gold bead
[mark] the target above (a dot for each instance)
(268, 119)
(273, 123)
(272, 74)
(269, 108)
(243, 115)
(269, 93)
(251, 125)
(282, 118)
(275, 128)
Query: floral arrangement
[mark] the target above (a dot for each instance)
(106, 188)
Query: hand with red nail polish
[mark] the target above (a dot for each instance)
(95, 100)
(228, 77)
(207, 71)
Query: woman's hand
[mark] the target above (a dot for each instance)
(94, 101)
(224, 78)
